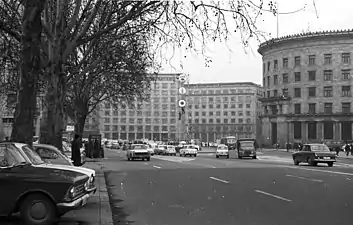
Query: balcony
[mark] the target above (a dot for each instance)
(275, 99)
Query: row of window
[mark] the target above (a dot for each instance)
(222, 91)
(328, 130)
(225, 99)
(218, 113)
(139, 120)
(311, 76)
(328, 91)
(218, 106)
(312, 61)
(141, 113)
(219, 121)
(138, 128)
(328, 108)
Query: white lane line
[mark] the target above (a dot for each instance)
(304, 178)
(157, 167)
(272, 195)
(217, 179)
(323, 171)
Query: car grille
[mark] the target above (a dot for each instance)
(80, 190)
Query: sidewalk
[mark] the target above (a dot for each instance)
(97, 211)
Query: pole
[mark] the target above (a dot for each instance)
(277, 19)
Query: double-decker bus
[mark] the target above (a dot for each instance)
(230, 141)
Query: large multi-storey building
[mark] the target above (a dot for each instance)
(217, 110)
(307, 85)
(156, 119)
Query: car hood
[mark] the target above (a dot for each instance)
(63, 171)
(88, 172)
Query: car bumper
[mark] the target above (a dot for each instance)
(222, 153)
(247, 153)
(65, 207)
(140, 156)
(324, 160)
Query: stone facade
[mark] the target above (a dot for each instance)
(307, 88)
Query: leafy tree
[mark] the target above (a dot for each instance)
(69, 24)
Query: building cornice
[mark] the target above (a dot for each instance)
(319, 35)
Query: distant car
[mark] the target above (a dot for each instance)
(115, 145)
(150, 149)
(246, 148)
(314, 154)
(161, 150)
(170, 150)
(222, 150)
(197, 147)
(138, 151)
(188, 150)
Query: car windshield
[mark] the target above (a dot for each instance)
(34, 157)
(139, 147)
(222, 148)
(171, 147)
(246, 144)
(231, 141)
(191, 146)
(319, 148)
(162, 147)
(12, 156)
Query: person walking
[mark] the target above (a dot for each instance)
(75, 150)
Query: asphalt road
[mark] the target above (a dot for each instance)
(171, 190)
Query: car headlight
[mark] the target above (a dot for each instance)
(71, 193)
(87, 184)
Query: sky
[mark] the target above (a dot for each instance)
(232, 62)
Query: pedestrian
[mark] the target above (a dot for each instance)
(337, 150)
(75, 150)
(347, 149)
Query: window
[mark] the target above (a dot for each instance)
(275, 80)
(328, 91)
(275, 65)
(210, 113)
(275, 93)
(248, 106)
(297, 92)
(346, 58)
(263, 68)
(225, 113)
(328, 108)
(297, 108)
(327, 59)
(225, 121)
(312, 75)
(312, 59)
(346, 91)
(285, 78)
(210, 120)
(268, 81)
(297, 76)
(328, 130)
(240, 106)
(346, 107)
(346, 74)
(297, 61)
(268, 66)
(285, 92)
(328, 75)
(218, 113)
(312, 91)
(312, 130)
(312, 108)
(106, 128)
(107, 120)
(285, 63)
(107, 113)
(297, 130)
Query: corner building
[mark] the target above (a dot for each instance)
(217, 110)
(307, 80)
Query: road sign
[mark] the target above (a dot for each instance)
(70, 128)
(182, 103)
(182, 90)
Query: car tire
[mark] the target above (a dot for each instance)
(48, 215)
(148, 159)
(227, 156)
(254, 157)
(311, 162)
(240, 157)
(330, 164)
(217, 156)
(195, 155)
(296, 161)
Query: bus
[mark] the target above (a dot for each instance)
(230, 141)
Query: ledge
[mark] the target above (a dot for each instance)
(274, 99)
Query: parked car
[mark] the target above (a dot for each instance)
(314, 154)
(160, 150)
(189, 150)
(41, 192)
(138, 151)
(170, 150)
(50, 154)
(222, 150)
(150, 149)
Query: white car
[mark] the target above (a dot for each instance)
(222, 150)
(170, 150)
(150, 149)
(138, 151)
(189, 150)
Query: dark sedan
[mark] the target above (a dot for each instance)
(40, 192)
(314, 154)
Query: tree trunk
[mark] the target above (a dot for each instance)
(53, 115)
(80, 120)
(22, 130)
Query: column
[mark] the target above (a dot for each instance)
(304, 131)
(207, 140)
(320, 131)
(337, 131)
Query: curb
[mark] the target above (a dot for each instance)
(105, 212)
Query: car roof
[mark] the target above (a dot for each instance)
(45, 146)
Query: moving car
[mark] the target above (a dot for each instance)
(170, 150)
(138, 151)
(50, 154)
(222, 150)
(161, 150)
(314, 154)
(150, 149)
(246, 148)
(189, 150)
(40, 192)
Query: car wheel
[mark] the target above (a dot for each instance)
(296, 161)
(37, 209)
(240, 157)
(128, 159)
(254, 157)
(330, 164)
(148, 159)
(227, 156)
(217, 156)
(195, 155)
(311, 162)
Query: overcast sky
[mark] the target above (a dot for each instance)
(239, 64)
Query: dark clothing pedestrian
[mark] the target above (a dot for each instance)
(75, 150)
(347, 149)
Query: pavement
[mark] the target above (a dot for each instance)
(97, 211)
(204, 190)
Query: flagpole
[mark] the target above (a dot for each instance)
(277, 19)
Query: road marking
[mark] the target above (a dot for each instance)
(217, 179)
(272, 195)
(274, 159)
(304, 178)
(157, 167)
(323, 171)
(173, 158)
